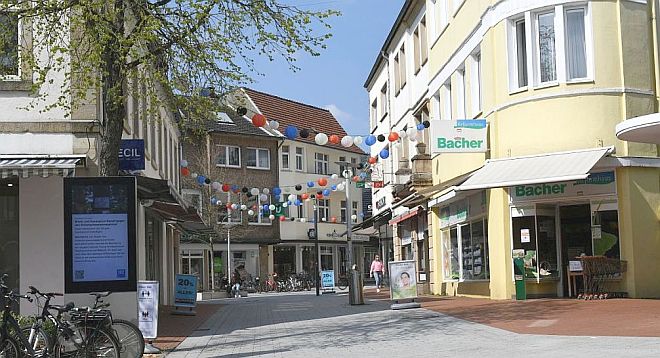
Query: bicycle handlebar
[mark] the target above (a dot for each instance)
(35, 291)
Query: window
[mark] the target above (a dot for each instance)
(153, 139)
(460, 93)
(285, 157)
(420, 45)
(9, 59)
(534, 239)
(382, 100)
(301, 210)
(576, 49)
(400, 69)
(374, 113)
(193, 198)
(457, 5)
(475, 84)
(520, 54)
(343, 211)
(546, 56)
(261, 216)
(229, 156)
(324, 209)
(421, 118)
(397, 75)
(236, 216)
(341, 166)
(445, 101)
(354, 212)
(441, 19)
(300, 159)
(258, 158)
(321, 163)
(465, 253)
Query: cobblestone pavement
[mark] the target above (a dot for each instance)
(303, 325)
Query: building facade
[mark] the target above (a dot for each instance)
(552, 79)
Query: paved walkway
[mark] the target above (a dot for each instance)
(303, 325)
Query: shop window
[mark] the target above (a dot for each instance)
(465, 251)
(326, 258)
(606, 243)
(284, 260)
(192, 263)
(308, 259)
(9, 222)
(535, 240)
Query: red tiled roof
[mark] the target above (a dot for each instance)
(288, 112)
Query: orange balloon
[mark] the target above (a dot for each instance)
(319, 196)
(323, 182)
(185, 172)
(334, 139)
(393, 136)
(333, 219)
(372, 160)
(304, 196)
(356, 178)
(259, 120)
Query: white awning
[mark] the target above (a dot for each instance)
(43, 167)
(535, 169)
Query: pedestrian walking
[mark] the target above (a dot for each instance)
(376, 271)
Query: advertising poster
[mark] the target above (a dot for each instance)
(185, 291)
(100, 234)
(403, 282)
(147, 295)
(328, 279)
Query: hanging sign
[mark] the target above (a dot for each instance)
(377, 184)
(460, 136)
(147, 296)
(359, 185)
(131, 154)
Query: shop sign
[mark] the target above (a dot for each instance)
(328, 279)
(185, 291)
(406, 241)
(279, 210)
(131, 154)
(380, 203)
(453, 214)
(377, 184)
(460, 136)
(594, 184)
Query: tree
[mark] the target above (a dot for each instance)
(175, 46)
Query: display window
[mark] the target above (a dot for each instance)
(535, 240)
(465, 251)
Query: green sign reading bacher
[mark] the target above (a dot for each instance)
(537, 190)
(445, 143)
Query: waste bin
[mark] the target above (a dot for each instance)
(356, 288)
(519, 276)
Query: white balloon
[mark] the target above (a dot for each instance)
(411, 131)
(321, 139)
(254, 191)
(218, 202)
(271, 207)
(243, 207)
(274, 124)
(284, 205)
(402, 134)
(292, 197)
(250, 212)
(193, 175)
(183, 163)
(216, 186)
(234, 206)
(271, 217)
(324, 219)
(263, 198)
(334, 176)
(340, 186)
(347, 141)
(302, 220)
(357, 140)
(266, 191)
(353, 217)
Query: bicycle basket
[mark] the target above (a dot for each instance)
(102, 317)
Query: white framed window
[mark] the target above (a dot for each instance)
(441, 16)
(354, 211)
(456, 5)
(382, 101)
(342, 211)
(324, 209)
(301, 211)
(460, 93)
(420, 45)
(10, 62)
(400, 69)
(261, 216)
(518, 54)
(300, 159)
(475, 84)
(235, 216)
(321, 163)
(545, 49)
(258, 158)
(397, 75)
(285, 157)
(445, 101)
(575, 37)
(228, 156)
(373, 113)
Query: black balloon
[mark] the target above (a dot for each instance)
(304, 133)
(313, 196)
(207, 181)
(293, 219)
(249, 195)
(360, 166)
(320, 192)
(245, 190)
(298, 187)
(426, 124)
(241, 111)
(381, 138)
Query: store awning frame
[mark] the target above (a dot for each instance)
(535, 169)
(40, 166)
(409, 214)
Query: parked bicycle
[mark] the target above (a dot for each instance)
(12, 339)
(130, 337)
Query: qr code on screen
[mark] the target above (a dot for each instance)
(80, 274)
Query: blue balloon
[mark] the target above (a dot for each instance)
(201, 179)
(420, 126)
(384, 153)
(234, 187)
(326, 192)
(288, 202)
(298, 202)
(310, 184)
(214, 200)
(277, 191)
(361, 215)
(363, 175)
(334, 187)
(370, 140)
(291, 132)
(265, 207)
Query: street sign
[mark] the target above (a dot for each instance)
(377, 184)
(147, 292)
(359, 185)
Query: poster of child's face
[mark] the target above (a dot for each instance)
(403, 283)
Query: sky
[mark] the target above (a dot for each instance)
(335, 79)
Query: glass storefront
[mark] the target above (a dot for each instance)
(192, 263)
(9, 254)
(284, 260)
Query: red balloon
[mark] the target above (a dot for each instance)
(372, 160)
(259, 120)
(356, 178)
(333, 219)
(225, 187)
(304, 196)
(393, 136)
(282, 218)
(334, 139)
(228, 205)
(185, 172)
(323, 182)
(319, 196)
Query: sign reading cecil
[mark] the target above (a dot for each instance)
(403, 279)
(328, 279)
(461, 136)
(185, 294)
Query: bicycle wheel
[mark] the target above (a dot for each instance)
(101, 344)
(40, 341)
(131, 341)
(342, 283)
(9, 348)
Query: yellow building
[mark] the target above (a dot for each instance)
(552, 78)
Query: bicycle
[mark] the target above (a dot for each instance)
(10, 347)
(128, 334)
(342, 282)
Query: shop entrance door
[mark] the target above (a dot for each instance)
(575, 223)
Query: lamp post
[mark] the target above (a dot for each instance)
(316, 244)
(349, 225)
